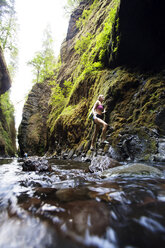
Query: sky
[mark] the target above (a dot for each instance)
(33, 17)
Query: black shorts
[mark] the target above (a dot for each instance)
(97, 116)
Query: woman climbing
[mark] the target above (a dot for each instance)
(98, 111)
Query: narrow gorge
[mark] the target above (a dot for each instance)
(58, 191)
(115, 48)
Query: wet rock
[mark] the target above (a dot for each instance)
(101, 163)
(160, 156)
(46, 193)
(70, 194)
(40, 165)
(132, 169)
(29, 203)
(70, 155)
(161, 146)
(87, 215)
(135, 147)
(80, 149)
(160, 121)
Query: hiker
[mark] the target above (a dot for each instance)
(98, 114)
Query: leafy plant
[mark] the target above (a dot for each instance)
(85, 15)
(7, 108)
(44, 61)
(102, 40)
(92, 48)
(8, 33)
(83, 43)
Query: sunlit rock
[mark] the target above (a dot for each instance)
(132, 169)
(101, 163)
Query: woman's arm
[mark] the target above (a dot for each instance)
(94, 107)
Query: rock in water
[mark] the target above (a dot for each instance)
(101, 163)
(132, 169)
(40, 165)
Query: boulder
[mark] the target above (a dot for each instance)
(160, 121)
(101, 163)
(40, 165)
(132, 169)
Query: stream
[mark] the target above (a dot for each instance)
(71, 207)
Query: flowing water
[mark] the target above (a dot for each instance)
(70, 207)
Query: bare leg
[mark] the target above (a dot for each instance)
(103, 136)
(96, 130)
(102, 123)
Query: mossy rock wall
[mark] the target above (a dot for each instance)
(115, 48)
(123, 68)
(7, 127)
(33, 131)
(5, 80)
(7, 123)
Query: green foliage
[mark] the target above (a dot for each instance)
(44, 61)
(6, 7)
(92, 47)
(7, 131)
(6, 141)
(7, 108)
(58, 101)
(85, 15)
(8, 33)
(83, 43)
(102, 40)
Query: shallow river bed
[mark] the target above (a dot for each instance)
(70, 207)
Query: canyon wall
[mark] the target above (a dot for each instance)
(7, 123)
(33, 131)
(115, 48)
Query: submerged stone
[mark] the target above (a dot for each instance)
(132, 169)
(101, 163)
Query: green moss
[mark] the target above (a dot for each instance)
(69, 110)
(6, 142)
(92, 47)
(7, 128)
(58, 102)
(132, 98)
(83, 20)
(102, 40)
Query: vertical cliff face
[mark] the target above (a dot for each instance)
(7, 124)
(115, 48)
(140, 32)
(33, 131)
(113, 34)
(5, 81)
